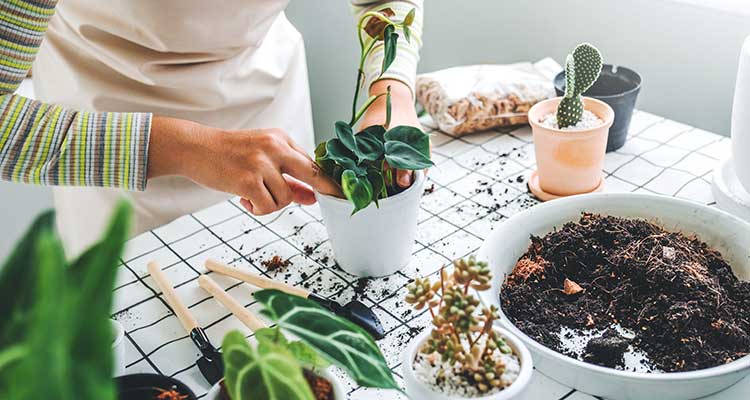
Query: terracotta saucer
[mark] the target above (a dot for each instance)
(540, 194)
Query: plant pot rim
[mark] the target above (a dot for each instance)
(515, 388)
(608, 119)
(635, 89)
(391, 201)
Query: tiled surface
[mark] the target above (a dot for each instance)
(479, 181)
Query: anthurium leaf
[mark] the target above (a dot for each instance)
(341, 155)
(345, 134)
(268, 372)
(402, 156)
(410, 135)
(370, 143)
(307, 356)
(340, 341)
(357, 189)
(390, 44)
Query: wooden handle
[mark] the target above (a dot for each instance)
(242, 313)
(255, 280)
(183, 314)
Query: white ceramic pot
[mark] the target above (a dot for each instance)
(375, 241)
(118, 348)
(718, 229)
(415, 389)
(338, 389)
(741, 119)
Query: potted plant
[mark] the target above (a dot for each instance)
(570, 133)
(372, 231)
(463, 355)
(279, 369)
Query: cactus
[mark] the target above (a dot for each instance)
(582, 69)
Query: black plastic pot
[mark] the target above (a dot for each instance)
(618, 87)
(146, 386)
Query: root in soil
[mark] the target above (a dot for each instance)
(679, 297)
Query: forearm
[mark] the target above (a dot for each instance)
(402, 104)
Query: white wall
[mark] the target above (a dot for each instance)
(687, 53)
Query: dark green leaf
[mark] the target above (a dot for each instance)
(376, 181)
(268, 372)
(357, 189)
(390, 45)
(340, 341)
(411, 136)
(370, 143)
(388, 107)
(402, 156)
(337, 152)
(345, 134)
(328, 166)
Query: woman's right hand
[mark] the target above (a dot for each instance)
(265, 167)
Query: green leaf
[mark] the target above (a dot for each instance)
(370, 143)
(357, 190)
(409, 19)
(377, 183)
(402, 156)
(345, 134)
(407, 34)
(388, 107)
(390, 45)
(307, 356)
(338, 153)
(268, 372)
(340, 341)
(410, 135)
(272, 335)
(327, 165)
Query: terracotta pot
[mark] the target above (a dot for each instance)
(570, 162)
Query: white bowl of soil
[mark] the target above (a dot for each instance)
(419, 372)
(721, 231)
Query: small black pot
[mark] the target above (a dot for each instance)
(618, 87)
(143, 386)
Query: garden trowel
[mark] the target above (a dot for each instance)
(210, 363)
(354, 311)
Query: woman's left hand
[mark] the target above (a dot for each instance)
(402, 113)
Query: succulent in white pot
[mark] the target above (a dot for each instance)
(463, 355)
(277, 368)
(372, 232)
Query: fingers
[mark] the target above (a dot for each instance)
(259, 199)
(279, 189)
(302, 193)
(302, 167)
(404, 178)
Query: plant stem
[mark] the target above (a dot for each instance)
(364, 52)
(364, 108)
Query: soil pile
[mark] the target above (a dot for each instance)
(679, 297)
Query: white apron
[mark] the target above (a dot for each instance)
(232, 64)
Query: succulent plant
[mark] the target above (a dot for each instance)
(462, 334)
(582, 69)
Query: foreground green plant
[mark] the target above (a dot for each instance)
(56, 336)
(462, 333)
(363, 163)
(272, 370)
(582, 69)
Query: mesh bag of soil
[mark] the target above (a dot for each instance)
(474, 98)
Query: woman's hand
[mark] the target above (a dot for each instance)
(402, 113)
(265, 167)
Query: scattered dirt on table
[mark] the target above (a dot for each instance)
(677, 296)
(275, 263)
(429, 190)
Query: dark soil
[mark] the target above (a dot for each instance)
(679, 297)
(321, 387)
(275, 263)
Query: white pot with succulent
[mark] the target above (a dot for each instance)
(463, 355)
(376, 237)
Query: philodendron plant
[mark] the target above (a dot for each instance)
(582, 69)
(363, 163)
(462, 336)
(274, 369)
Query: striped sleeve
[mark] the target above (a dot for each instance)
(404, 68)
(46, 144)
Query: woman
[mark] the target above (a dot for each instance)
(181, 103)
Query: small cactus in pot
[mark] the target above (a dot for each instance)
(582, 69)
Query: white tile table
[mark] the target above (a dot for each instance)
(479, 181)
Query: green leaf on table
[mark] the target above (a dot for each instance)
(268, 372)
(390, 45)
(357, 189)
(344, 344)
